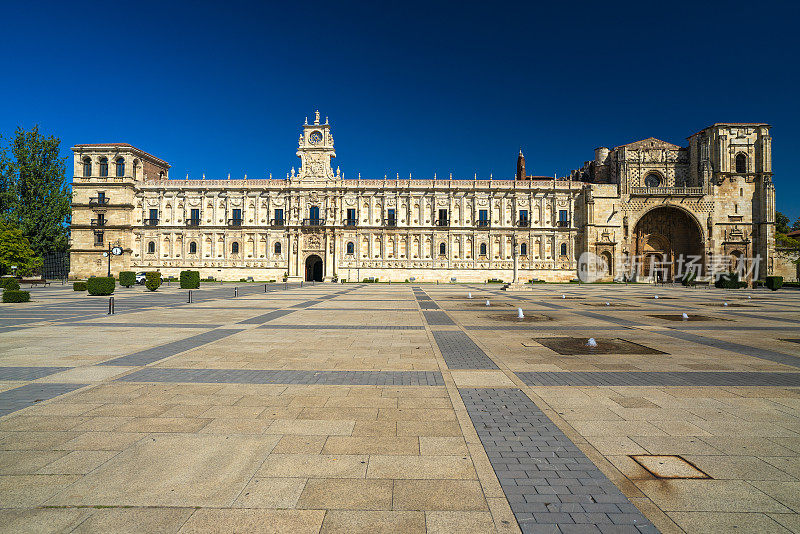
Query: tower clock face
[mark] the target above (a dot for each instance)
(315, 138)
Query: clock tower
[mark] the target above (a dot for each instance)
(315, 150)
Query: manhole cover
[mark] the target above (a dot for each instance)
(573, 346)
(511, 317)
(668, 466)
(680, 317)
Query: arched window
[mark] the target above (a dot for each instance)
(563, 249)
(351, 248)
(103, 166)
(277, 249)
(652, 180)
(192, 248)
(235, 247)
(442, 249)
(523, 249)
(151, 247)
(87, 167)
(741, 162)
(483, 249)
(120, 167)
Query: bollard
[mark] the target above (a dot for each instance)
(265, 288)
(190, 296)
(110, 305)
(301, 283)
(286, 285)
(235, 292)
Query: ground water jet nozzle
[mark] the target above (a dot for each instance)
(591, 343)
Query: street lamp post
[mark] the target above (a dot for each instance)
(115, 250)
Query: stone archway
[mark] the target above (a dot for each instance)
(662, 237)
(314, 268)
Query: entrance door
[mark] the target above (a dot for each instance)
(313, 268)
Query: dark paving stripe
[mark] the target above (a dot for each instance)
(148, 356)
(151, 325)
(428, 305)
(28, 395)
(650, 378)
(28, 373)
(549, 483)
(460, 352)
(438, 318)
(245, 376)
(542, 326)
(266, 317)
(338, 327)
(307, 304)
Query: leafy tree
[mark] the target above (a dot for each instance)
(781, 223)
(15, 250)
(34, 194)
(796, 224)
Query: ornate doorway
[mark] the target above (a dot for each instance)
(663, 237)
(313, 268)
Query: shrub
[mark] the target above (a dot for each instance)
(12, 295)
(127, 278)
(79, 286)
(494, 281)
(774, 282)
(152, 280)
(101, 285)
(9, 284)
(688, 279)
(190, 279)
(729, 281)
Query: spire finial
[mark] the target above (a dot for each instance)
(316, 117)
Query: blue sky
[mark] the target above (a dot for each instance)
(409, 87)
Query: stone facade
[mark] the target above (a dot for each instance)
(317, 224)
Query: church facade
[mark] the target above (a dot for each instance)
(636, 211)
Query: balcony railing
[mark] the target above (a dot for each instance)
(150, 222)
(277, 222)
(192, 222)
(235, 222)
(350, 222)
(562, 224)
(98, 222)
(667, 191)
(442, 222)
(313, 222)
(523, 223)
(98, 201)
(390, 222)
(481, 223)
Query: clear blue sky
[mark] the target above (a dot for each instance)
(221, 87)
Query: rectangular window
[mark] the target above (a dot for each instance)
(563, 215)
(523, 217)
(483, 218)
(153, 220)
(279, 217)
(351, 217)
(101, 197)
(313, 214)
(442, 218)
(390, 217)
(101, 219)
(98, 238)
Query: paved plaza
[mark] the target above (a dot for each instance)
(401, 408)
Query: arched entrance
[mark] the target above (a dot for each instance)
(663, 236)
(314, 268)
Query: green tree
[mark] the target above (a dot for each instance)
(34, 194)
(781, 223)
(16, 250)
(796, 224)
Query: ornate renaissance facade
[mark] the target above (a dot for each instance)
(648, 199)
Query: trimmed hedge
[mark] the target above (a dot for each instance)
(729, 281)
(127, 278)
(101, 285)
(190, 279)
(688, 279)
(774, 282)
(9, 284)
(11, 295)
(79, 286)
(152, 280)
